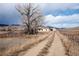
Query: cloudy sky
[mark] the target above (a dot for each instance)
(57, 15)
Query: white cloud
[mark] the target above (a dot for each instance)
(62, 21)
(55, 6)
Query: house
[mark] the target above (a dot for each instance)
(43, 29)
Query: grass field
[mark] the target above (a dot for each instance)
(72, 41)
(64, 42)
(12, 45)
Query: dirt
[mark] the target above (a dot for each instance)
(37, 48)
(56, 49)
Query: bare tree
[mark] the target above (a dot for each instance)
(31, 17)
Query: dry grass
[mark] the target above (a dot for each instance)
(13, 45)
(71, 41)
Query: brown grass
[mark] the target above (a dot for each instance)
(70, 39)
(16, 44)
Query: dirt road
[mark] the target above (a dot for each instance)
(57, 48)
(52, 46)
(37, 48)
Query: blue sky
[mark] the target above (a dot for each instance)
(9, 14)
(56, 14)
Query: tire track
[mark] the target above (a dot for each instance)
(36, 49)
(57, 48)
(65, 43)
(32, 48)
(26, 48)
(48, 45)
